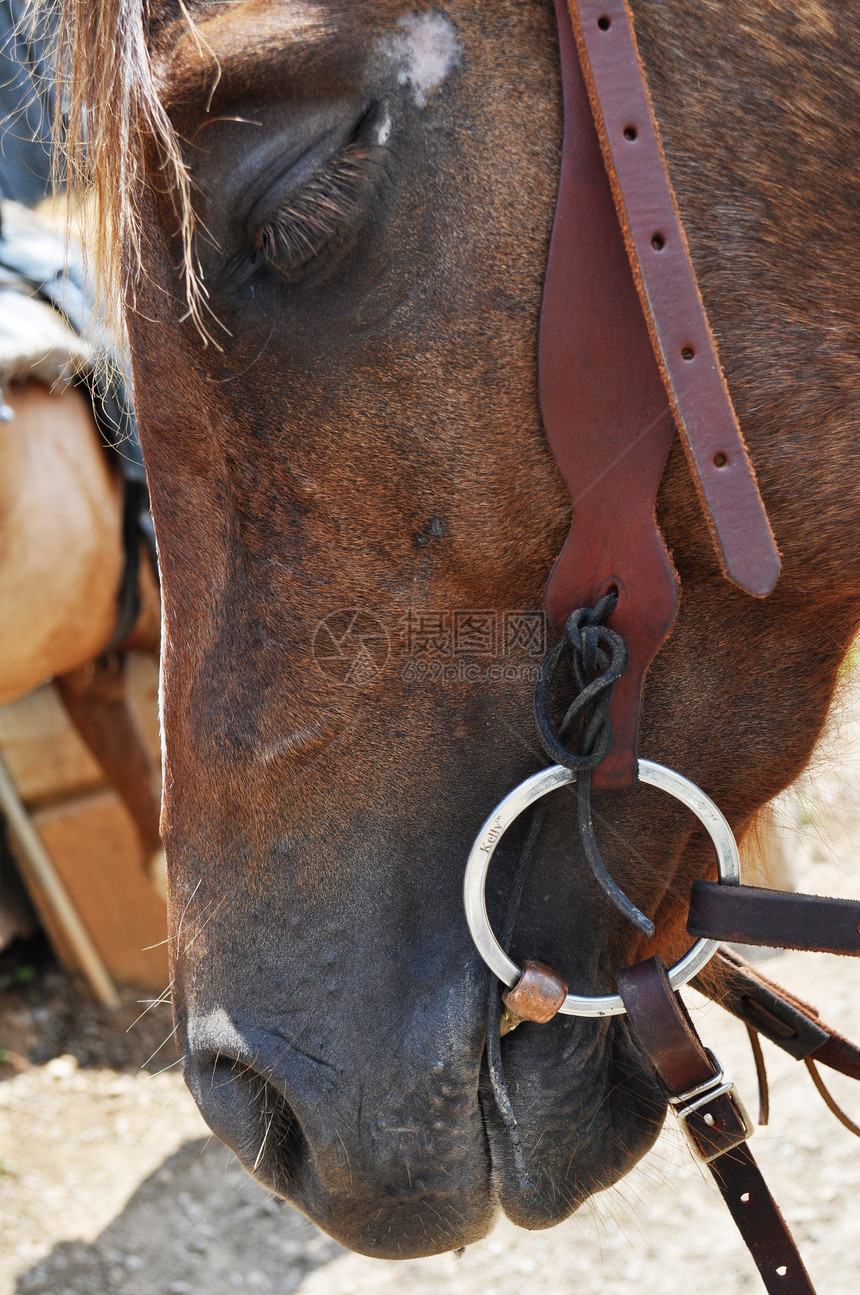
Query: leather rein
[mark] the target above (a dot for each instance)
(626, 354)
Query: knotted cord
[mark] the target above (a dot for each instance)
(598, 658)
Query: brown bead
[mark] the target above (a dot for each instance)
(537, 995)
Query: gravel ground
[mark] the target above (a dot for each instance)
(109, 1181)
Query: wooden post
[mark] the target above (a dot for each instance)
(37, 864)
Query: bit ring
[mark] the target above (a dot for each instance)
(541, 784)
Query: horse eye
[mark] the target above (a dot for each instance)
(319, 214)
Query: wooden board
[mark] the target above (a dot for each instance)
(47, 759)
(95, 850)
(86, 830)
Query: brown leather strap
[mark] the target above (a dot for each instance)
(761, 1076)
(683, 343)
(780, 1016)
(760, 1223)
(663, 1027)
(755, 915)
(838, 1053)
(667, 1035)
(623, 327)
(829, 1101)
(606, 417)
(789, 1022)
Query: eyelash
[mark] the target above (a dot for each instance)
(300, 230)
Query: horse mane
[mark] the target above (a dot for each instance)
(109, 117)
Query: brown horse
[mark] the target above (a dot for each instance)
(61, 566)
(61, 552)
(334, 220)
(71, 583)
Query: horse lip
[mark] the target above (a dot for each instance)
(410, 1216)
(616, 1127)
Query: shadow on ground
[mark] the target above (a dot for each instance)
(182, 1233)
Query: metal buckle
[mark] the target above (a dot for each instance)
(695, 1098)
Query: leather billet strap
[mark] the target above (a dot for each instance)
(760, 1223)
(606, 417)
(624, 345)
(684, 1066)
(666, 1034)
(683, 343)
(775, 918)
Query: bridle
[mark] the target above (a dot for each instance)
(626, 351)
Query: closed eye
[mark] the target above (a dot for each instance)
(309, 215)
(304, 225)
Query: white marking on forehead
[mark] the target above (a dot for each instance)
(384, 133)
(429, 51)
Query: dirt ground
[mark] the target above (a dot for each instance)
(109, 1181)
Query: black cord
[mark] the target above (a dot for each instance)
(598, 658)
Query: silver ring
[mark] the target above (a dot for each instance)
(541, 784)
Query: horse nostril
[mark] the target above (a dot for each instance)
(224, 1072)
(250, 1114)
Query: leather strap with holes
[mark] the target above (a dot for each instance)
(680, 333)
(606, 418)
(667, 1035)
(625, 344)
(760, 1223)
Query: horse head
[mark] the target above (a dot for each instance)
(357, 511)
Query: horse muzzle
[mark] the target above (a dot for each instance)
(397, 1173)
(417, 1163)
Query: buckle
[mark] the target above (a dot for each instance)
(712, 1115)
